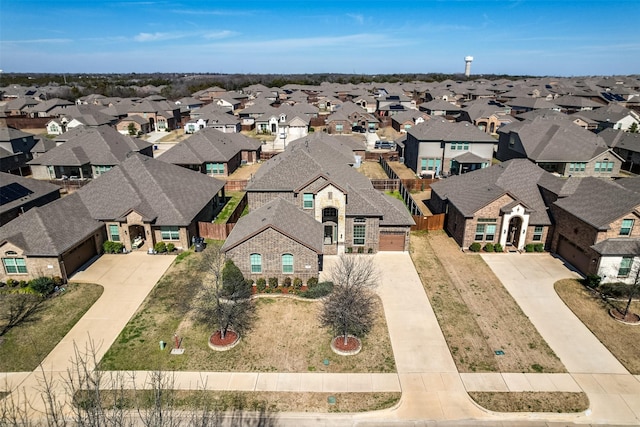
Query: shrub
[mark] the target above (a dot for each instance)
(12, 283)
(360, 250)
(592, 281)
(498, 248)
(297, 283)
(349, 250)
(320, 290)
(171, 247)
(287, 282)
(528, 247)
(273, 282)
(23, 284)
(231, 277)
(312, 282)
(42, 285)
(614, 290)
(489, 247)
(475, 247)
(261, 284)
(538, 247)
(160, 247)
(110, 247)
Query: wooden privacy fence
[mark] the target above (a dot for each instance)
(431, 222)
(236, 184)
(209, 230)
(386, 184)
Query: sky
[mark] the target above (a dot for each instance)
(519, 37)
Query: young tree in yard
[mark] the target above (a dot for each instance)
(224, 302)
(133, 131)
(349, 309)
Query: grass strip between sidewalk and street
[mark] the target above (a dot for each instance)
(623, 341)
(530, 401)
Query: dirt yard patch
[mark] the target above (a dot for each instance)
(476, 313)
(402, 171)
(372, 170)
(245, 172)
(623, 341)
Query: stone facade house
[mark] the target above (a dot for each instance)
(314, 177)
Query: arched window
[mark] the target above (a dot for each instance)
(287, 263)
(256, 263)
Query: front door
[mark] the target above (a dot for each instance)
(515, 227)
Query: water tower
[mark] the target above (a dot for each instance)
(467, 65)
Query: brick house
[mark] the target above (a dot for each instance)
(595, 227)
(314, 177)
(500, 204)
(214, 153)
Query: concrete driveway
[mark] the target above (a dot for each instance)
(529, 278)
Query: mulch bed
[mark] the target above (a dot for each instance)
(629, 318)
(229, 338)
(351, 345)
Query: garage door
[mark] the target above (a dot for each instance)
(77, 256)
(573, 255)
(392, 240)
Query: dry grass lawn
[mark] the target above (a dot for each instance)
(623, 341)
(476, 313)
(402, 171)
(245, 172)
(25, 346)
(530, 401)
(372, 170)
(286, 337)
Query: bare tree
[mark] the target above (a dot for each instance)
(349, 309)
(634, 287)
(225, 299)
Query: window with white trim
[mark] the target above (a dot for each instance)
(170, 233)
(256, 263)
(626, 227)
(625, 266)
(359, 231)
(538, 230)
(114, 233)
(14, 265)
(485, 230)
(287, 263)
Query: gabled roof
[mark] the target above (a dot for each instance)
(282, 216)
(556, 139)
(101, 145)
(599, 202)
(52, 229)
(533, 103)
(442, 130)
(621, 139)
(170, 194)
(518, 178)
(618, 246)
(209, 146)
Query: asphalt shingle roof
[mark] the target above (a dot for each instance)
(281, 216)
(209, 145)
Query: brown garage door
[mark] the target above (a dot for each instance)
(77, 256)
(392, 240)
(573, 255)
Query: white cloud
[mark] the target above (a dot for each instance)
(356, 17)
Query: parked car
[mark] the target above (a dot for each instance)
(384, 145)
(358, 129)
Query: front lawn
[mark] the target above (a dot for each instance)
(26, 345)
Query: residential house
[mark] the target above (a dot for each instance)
(15, 150)
(133, 125)
(612, 116)
(499, 204)
(214, 153)
(212, 116)
(18, 195)
(88, 153)
(69, 117)
(488, 116)
(596, 227)
(138, 203)
(53, 240)
(439, 107)
(286, 122)
(440, 147)
(45, 108)
(161, 115)
(313, 176)
(626, 145)
(558, 145)
(404, 121)
(524, 104)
